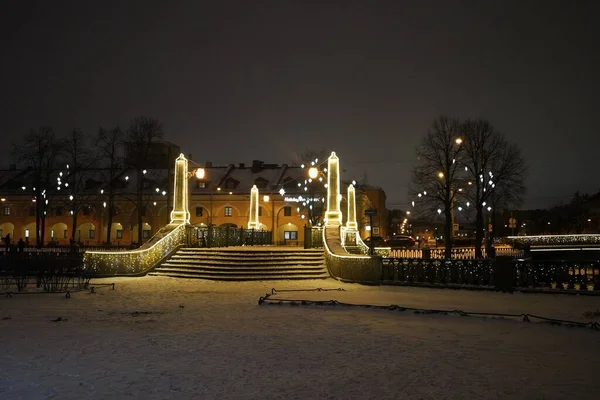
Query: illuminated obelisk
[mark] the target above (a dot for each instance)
(351, 224)
(333, 215)
(180, 213)
(253, 218)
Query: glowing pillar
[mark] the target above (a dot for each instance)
(351, 221)
(180, 213)
(253, 219)
(333, 216)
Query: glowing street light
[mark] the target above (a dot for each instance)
(313, 172)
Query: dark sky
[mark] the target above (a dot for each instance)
(234, 81)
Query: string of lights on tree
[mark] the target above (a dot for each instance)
(314, 186)
(158, 190)
(461, 202)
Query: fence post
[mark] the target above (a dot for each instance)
(209, 236)
(503, 271)
(307, 237)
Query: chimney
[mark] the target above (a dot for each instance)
(256, 166)
(242, 165)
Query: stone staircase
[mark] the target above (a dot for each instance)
(244, 264)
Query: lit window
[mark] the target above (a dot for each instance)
(228, 211)
(27, 233)
(287, 211)
(200, 185)
(120, 234)
(6, 210)
(199, 211)
(290, 235)
(146, 234)
(92, 234)
(65, 234)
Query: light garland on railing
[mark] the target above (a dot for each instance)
(134, 261)
(553, 240)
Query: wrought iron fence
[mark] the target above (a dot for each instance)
(458, 253)
(52, 271)
(504, 273)
(225, 236)
(313, 237)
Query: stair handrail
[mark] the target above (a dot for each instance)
(138, 261)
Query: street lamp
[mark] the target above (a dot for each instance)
(313, 174)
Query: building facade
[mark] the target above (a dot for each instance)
(218, 196)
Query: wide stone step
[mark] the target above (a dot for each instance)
(244, 264)
(225, 269)
(233, 263)
(249, 254)
(240, 272)
(253, 277)
(244, 259)
(252, 249)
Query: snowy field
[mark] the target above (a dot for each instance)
(162, 338)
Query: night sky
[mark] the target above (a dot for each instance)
(234, 81)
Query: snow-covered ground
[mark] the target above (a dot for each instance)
(159, 338)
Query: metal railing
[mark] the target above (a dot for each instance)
(458, 253)
(313, 237)
(138, 261)
(505, 273)
(228, 236)
(52, 271)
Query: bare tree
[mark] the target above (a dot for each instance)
(38, 151)
(142, 133)
(309, 155)
(436, 175)
(78, 160)
(490, 163)
(109, 144)
(509, 187)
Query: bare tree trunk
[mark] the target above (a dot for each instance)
(74, 219)
(448, 233)
(479, 232)
(140, 207)
(109, 227)
(42, 231)
(38, 228)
